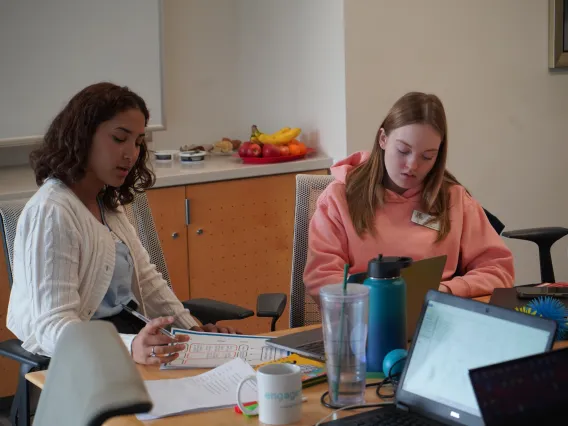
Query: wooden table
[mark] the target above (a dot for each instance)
(312, 410)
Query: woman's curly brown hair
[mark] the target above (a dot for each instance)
(65, 148)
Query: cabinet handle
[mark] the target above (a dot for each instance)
(187, 214)
(175, 235)
(199, 231)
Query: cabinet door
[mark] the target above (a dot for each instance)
(168, 211)
(8, 368)
(240, 240)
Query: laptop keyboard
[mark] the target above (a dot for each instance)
(313, 347)
(383, 416)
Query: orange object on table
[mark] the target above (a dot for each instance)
(561, 284)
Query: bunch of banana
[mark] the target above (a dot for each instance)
(282, 136)
(254, 133)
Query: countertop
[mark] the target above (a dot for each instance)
(19, 181)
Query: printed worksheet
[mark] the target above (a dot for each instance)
(209, 350)
(216, 388)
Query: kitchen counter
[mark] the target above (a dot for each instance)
(19, 181)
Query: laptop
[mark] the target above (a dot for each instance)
(456, 335)
(525, 391)
(514, 298)
(421, 276)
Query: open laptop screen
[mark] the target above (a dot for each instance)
(525, 391)
(454, 338)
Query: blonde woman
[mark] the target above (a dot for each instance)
(400, 200)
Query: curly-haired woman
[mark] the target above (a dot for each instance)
(76, 256)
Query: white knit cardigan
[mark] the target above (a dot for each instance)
(63, 264)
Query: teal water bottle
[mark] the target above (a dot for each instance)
(387, 308)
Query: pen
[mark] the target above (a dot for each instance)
(146, 320)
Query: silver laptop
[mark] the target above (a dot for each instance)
(454, 336)
(421, 276)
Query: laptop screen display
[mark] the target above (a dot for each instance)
(451, 341)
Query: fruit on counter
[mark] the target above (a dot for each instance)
(282, 136)
(297, 148)
(254, 150)
(243, 149)
(269, 150)
(258, 149)
(224, 146)
(236, 143)
(254, 133)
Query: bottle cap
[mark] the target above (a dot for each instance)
(387, 266)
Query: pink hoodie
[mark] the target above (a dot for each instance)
(486, 262)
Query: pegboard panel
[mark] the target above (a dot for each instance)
(8, 368)
(240, 242)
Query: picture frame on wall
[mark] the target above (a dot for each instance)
(558, 34)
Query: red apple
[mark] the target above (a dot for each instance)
(243, 149)
(269, 150)
(254, 150)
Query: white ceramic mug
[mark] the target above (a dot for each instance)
(279, 389)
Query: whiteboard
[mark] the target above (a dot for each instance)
(51, 49)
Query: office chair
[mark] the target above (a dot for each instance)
(140, 216)
(91, 379)
(12, 349)
(304, 311)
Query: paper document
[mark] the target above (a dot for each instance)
(215, 389)
(208, 350)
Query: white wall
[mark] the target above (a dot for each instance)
(292, 69)
(200, 38)
(507, 115)
(273, 64)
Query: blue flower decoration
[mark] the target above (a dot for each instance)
(551, 308)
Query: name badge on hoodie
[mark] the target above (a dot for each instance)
(425, 219)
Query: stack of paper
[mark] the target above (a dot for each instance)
(209, 350)
(215, 389)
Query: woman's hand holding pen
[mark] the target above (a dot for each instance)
(150, 346)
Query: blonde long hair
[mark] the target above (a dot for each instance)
(365, 189)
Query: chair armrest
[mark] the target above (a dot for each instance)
(210, 311)
(270, 305)
(12, 349)
(545, 236)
